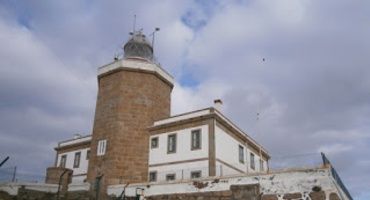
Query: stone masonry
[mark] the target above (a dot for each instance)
(59, 175)
(128, 102)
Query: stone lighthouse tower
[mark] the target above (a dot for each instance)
(133, 92)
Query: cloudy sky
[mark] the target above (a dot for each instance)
(304, 65)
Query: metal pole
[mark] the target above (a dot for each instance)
(14, 173)
(134, 25)
(221, 171)
(6, 159)
(324, 160)
(155, 30)
(98, 179)
(60, 182)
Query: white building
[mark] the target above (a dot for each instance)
(196, 144)
(202, 143)
(74, 154)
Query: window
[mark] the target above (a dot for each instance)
(63, 160)
(252, 161)
(102, 145)
(261, 165)
(76, 162)
(154, 143)
(196, 139)
(170, 177)
(87, 154)
(196, 174)
(241, 154)
(171, 146)
(152, 176)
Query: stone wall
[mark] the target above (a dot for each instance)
(236, 192)
(128, 103)
(53, 175)
(298, 184)
(322, 195)
(246, 192)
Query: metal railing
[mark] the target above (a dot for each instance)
(335, 175)
(10, 174)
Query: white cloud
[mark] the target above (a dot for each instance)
(311, 90)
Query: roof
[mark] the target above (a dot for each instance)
(74, 142)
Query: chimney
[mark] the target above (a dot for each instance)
(218, 104)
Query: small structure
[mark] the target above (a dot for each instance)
(74, 154)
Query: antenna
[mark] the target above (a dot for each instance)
(134, 25)
(153, 34)
(258, 114)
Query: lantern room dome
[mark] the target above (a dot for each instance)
(138, 46)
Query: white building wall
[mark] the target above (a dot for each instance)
(256, 162)
(183, 147)
(182, 170)
(224, 170)
(227, 150)
(79, 174)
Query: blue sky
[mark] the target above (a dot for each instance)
(312, 89)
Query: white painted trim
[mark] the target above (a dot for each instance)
(75, 141)
(204, 112)
(183, 117)
(136, 64)
(239, 130)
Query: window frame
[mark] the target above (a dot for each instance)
(63, 161)
(77, 160)
(174, 135)
(194, 172)
(101, 147)
(88, 152)
(199, 133)
(262, 163)
(241, 154)
(151, 142)
(155, 176)
(252, 161)
(169, 175)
